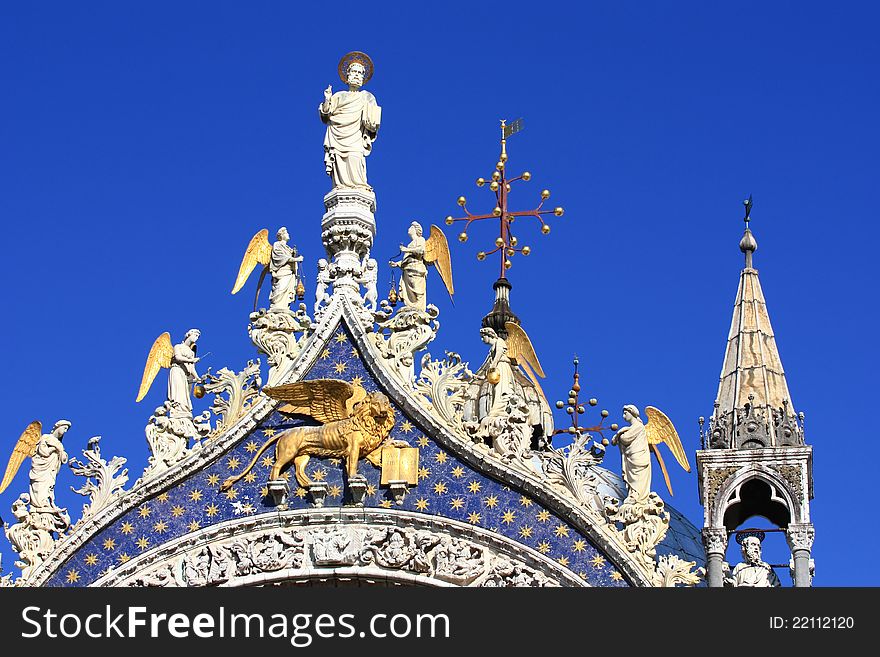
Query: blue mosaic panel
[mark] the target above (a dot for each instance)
(447, 487)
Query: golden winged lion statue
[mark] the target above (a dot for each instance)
(355, 424)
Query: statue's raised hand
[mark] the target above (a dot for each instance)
(328, 93)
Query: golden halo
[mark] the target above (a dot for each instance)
(359, 57)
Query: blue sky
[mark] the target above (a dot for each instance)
(143, 144)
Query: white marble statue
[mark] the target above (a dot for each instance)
(46, 462)
(352, 118)
(284, 267)
(325, 277)
(370, 280)
(498, 362)
(635, 454)
(752, 572)
(413, 270)
(182, 373)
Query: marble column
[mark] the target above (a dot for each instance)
(715, 542)
(800, 541)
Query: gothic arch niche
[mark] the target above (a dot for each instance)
(756, 497)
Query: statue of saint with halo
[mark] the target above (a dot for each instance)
(352, 118)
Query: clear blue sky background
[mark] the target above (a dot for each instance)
(143, 144)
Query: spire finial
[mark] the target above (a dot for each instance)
(748, 245)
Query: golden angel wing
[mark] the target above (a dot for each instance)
(258, 251)
(661, 430)
(160, 356)
(520, 347)
(326, 400)
(23, 449)
(437, 253)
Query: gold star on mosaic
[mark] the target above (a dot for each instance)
(580, 545)
(231, 494)
(474, 518)
(127, 528)
(525, 501)
(456, 503)
(194, 526)
(582, 574)
(508, 516)
(335, 491)
(177, 511)
(72, 576)
(385, 504)
(491, 501)
(340, 337)
(441, 457)
(424, 473)
(421, 504)
(561, 531)
(616, 576)
(543, 547)
(325, 354)
(371, 490)
(563, 561)
(286, 476)
(109, 544)
(233, 463)
(163, 497)
(91, 559)
(269, 432)
(319, 474)
(406, 426)
(264, 491)
(251, 447)
(423, 442)
(143, 543)
(195, 495)
(543, 516)
(525, 531)
(598, 561)
(354, 352)
(458, 472)
(474, 487)
(160, 527)
(439, 488)
(248, 508)
(250, 477)
(213, 479)
(335, 461)
(124, 558)
(212, 510)
(340, 367)
(300, 492)
(267, 462)
(144, 511)
(357, 380)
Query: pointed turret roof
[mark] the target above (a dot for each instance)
(752, 370)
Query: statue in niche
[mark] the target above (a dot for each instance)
(370, 281)
(281, 260)
(352, 118)
(753, 571)
(325, 278)
(413, 266)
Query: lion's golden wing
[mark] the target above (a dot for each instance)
(23, 449)
(160, 356)
(259, 251)
(437, 253)
(661, 430)
(520, 347)
(324, 399)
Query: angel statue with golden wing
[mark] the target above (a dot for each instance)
(280, 260)
(180, 361)
(47, 455)
(636, 443)
(413, 266)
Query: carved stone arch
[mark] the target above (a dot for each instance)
(781, 509)
(311, 547)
